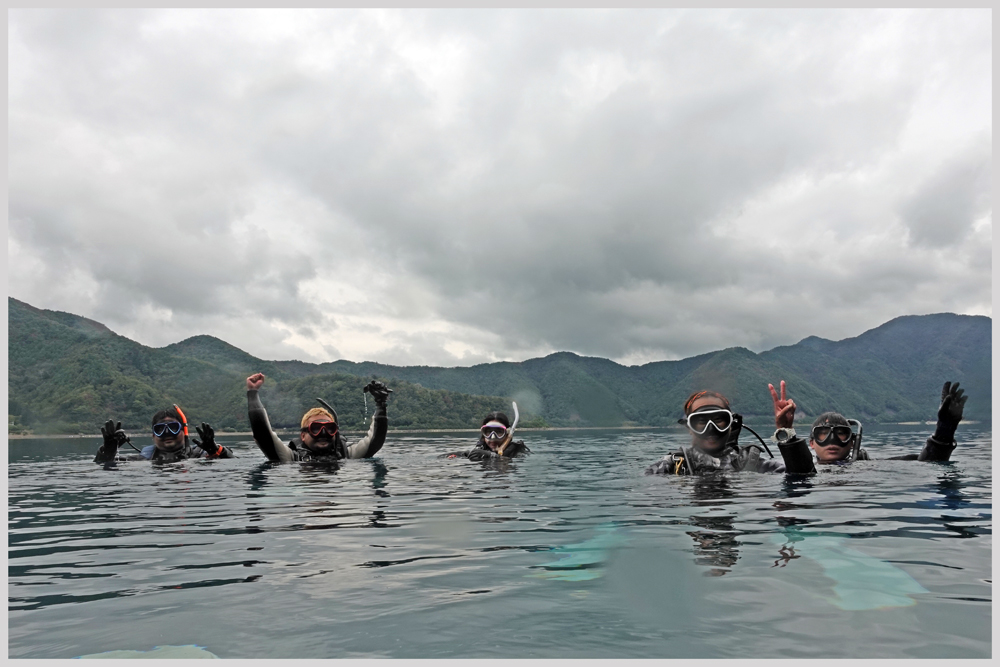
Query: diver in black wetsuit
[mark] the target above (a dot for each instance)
(495, 441)
(170, 441)
(715, 431)
(319, 438)
(836, 439)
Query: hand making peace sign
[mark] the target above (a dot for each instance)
(784, 410)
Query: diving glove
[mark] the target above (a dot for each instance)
(482, 455)
(114, 436)
(207, 441)
(379, 391)
(950, 413)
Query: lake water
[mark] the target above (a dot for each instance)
(571, 552)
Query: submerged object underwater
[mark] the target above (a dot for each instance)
(585, 560)
(861, 581)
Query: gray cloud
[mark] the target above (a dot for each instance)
(461, 186)
(943, 208)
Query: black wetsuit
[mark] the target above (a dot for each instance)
(694, 461)
(151, 453)
(799, 459)
(276, 450)
(481, 451)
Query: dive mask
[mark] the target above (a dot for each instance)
(316, 429)
(493, 431)
(161, 429)
(718, 418)
(827, 434)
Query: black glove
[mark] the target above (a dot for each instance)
(207, 441)
(114, 436)
(379, 391)
(950, 413)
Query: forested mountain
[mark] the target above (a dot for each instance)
(68, 373)
(888, 374)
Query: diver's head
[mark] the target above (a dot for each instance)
(319, 430)
(709, 420)
(831, 437)
(495, 430)
(168, 430)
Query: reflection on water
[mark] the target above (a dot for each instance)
(716, 547)
(570, 552)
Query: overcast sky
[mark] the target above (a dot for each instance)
(453, 187)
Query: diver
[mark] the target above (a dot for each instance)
(835, 439)
(319, 435)
(496, 439)
(715, 431)
(170, 441)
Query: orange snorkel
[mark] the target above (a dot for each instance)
(184, 420)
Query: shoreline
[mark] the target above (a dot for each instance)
(291, 432)
(33, 436)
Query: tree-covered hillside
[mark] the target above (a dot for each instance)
(68, 373)
(891, 373)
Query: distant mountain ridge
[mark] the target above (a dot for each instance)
(891, 373)
(68, 374)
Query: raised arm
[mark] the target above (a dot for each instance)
(942, 443)
(794, 450)
(265, 437)
(375, 438)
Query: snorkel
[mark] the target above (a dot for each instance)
(184, 420)
(856, 450)
(330, 409)
(510, 431)
(734, 431)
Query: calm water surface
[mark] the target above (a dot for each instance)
(571, 552)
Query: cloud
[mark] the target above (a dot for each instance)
(452, 187)
(944, 207)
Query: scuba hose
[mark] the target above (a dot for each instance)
(739, 426)
(124, 439)
(761, 441)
